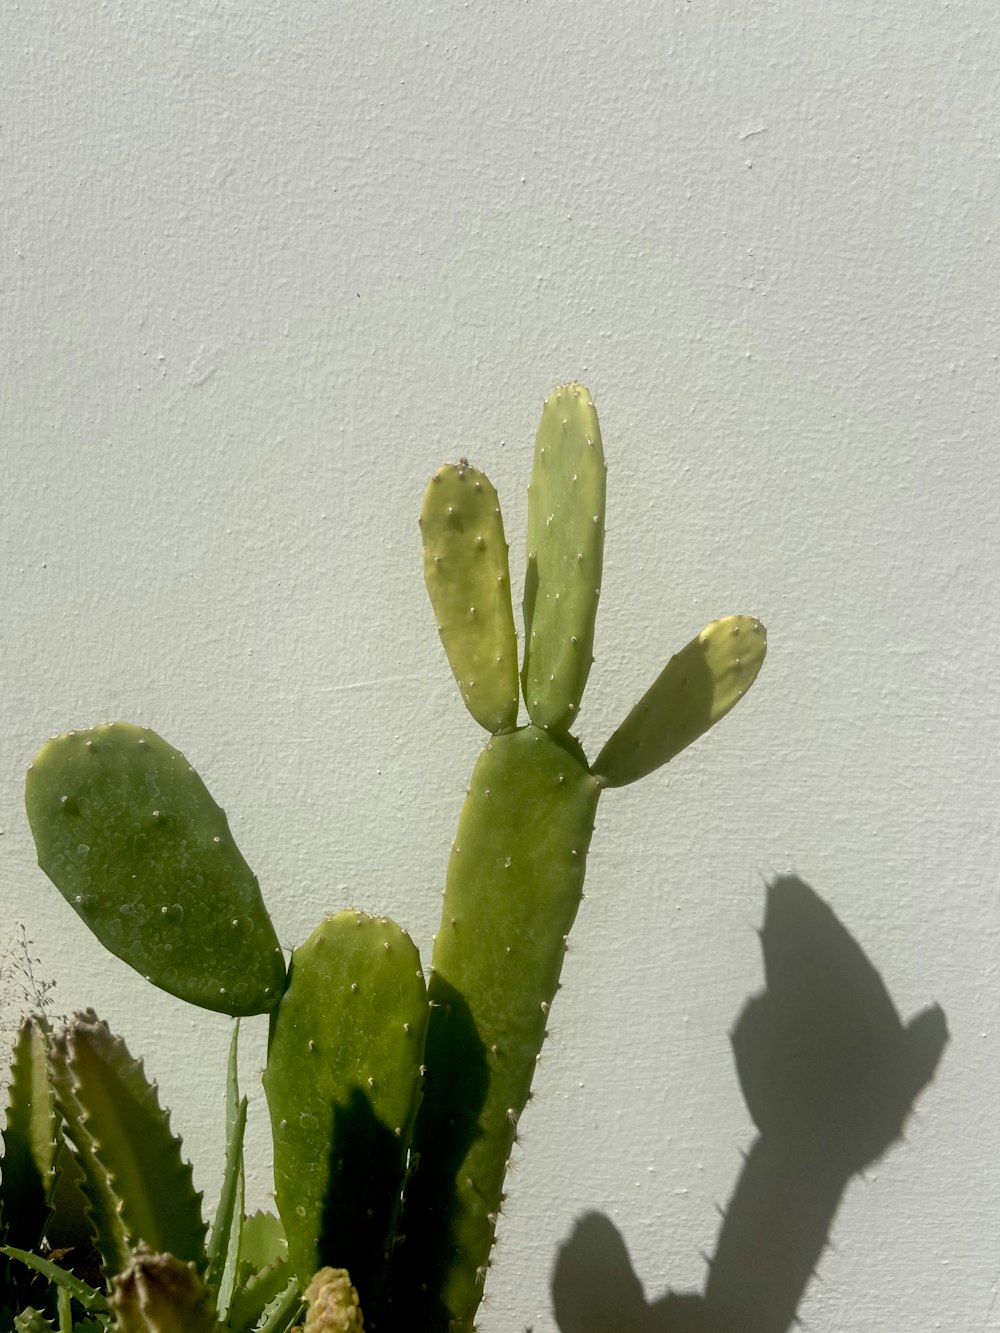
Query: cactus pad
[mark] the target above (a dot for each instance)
(699, 685)
(465, 568)
(131, 837)
(565, 557)
(514, 884)
(342, 1084)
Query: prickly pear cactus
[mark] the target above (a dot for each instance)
(343, 1082)
(465, 567)
(562, 585)
(516, 872)
(130, 836)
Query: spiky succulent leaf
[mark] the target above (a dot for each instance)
(465, 568)
(107, 1227)
(81, 1291)
(697, 687)
(32, 1321)
(133, 840)
(224, 1236)
(514, 884)
(342, 1083)
(224, 1240)
(117, 1121)
(562, 585)
(262, 1270)
(31, 1138)
(262, 1242)
(253, 1296)
(283, 1312)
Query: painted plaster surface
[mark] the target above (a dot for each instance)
(264, 267)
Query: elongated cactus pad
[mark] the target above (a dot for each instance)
(699, 685)
(465, 567)
(514, 884)
(565, 557)
(342, 1084)
(130, 836)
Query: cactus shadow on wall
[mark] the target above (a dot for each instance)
(829, 1074)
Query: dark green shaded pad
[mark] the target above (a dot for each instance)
(342, 1082)
(131, 837)
(515, 880)
(124, 1141)
(566, 503)
(697, 687)
(465, 568)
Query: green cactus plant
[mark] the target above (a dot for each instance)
(394, 1104)
(515, 877)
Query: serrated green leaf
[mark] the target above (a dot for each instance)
(108, 1229)
(262, 1242)
(133, 840)
(91, 1300)
(129, 1135)
(284, 1312)
(70, 1225)
(32, 1321)
(31, 1138)
(256, 1293)
(227, 1226)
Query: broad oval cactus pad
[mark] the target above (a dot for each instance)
(129, 834)
(342, 1084)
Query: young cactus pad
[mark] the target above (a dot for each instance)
(465, 567)
(697, 687)
(562, 583)
(342, 1084)
(128, 833)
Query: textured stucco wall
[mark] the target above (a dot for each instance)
(263, 267)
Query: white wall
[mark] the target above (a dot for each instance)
(264, 267)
